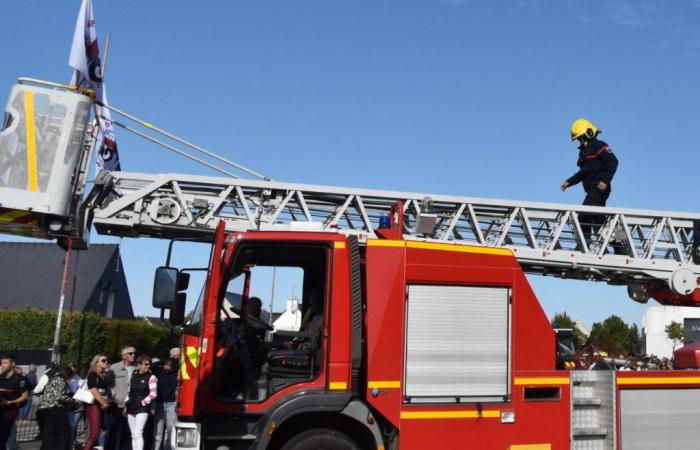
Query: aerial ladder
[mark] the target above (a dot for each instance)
(45, 150)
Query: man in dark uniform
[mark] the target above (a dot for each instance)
(13, 394)
(597, 165)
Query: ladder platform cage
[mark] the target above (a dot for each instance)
(41, 137)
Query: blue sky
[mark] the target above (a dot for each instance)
(464, 97)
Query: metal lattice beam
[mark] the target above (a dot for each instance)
(620, 246)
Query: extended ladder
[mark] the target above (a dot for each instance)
(637, 248)
(44, 159)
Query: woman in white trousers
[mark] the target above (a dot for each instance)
(142, 392)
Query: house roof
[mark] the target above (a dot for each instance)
(31, 274)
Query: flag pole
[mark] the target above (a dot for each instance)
(56, 354)
(105, 53)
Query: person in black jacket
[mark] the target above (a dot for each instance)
(13, 394)
(165, 404)
(142, 391)
(597, 166)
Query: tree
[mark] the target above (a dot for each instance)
(676, 333)
(563, 320)
(612, 336)
(635, 340)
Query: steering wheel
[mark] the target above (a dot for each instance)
(254, 322)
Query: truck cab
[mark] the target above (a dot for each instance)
(246, 384)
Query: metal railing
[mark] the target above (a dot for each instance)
(27, 425)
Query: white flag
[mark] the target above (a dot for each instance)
(85, 59)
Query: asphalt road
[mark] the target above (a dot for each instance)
(30, 445)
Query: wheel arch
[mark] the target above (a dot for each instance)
(308, 409)
(337, 421)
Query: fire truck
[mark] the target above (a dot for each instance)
(420, 329)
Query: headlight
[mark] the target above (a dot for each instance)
(186, 437)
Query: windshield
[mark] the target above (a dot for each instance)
(275, 287)
(193, 324)
(270, 320)
(566, 346)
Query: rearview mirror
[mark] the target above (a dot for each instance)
(165, 287)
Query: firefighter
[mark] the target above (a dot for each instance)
(597, 165)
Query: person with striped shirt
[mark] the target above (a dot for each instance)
(143, 390)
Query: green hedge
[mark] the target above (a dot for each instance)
(145, 337)
(33, 329)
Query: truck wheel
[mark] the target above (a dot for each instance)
(320, 439)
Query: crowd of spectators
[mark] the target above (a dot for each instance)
(127, 405)
(630, 363)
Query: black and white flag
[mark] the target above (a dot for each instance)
(85, 59)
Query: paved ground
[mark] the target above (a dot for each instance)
(30, 445)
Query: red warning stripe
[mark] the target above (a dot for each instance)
(598, 153)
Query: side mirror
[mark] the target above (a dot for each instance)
(177, 314)
(165, 287)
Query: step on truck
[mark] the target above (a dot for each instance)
(417, 327)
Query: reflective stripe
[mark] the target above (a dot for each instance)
(385, 243)
(337, 385)
(191, 355)
(541, 381)
(338, 244)
(530, 447)
(183, 370)
(460, 248)
(449, 414)
(383, 384)
(440, 247)
(31, 141)
(657, 380)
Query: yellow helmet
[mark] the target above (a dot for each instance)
(583, 127)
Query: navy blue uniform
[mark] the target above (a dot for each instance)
(596, 163)
(11, 388)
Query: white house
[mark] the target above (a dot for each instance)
(657, 317)
(290, 319)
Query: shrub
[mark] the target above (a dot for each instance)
(33, 329)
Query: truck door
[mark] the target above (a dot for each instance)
(196, 359)
(249, 360)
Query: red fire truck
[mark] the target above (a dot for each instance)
(419, 328)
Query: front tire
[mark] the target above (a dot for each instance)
(320, 439)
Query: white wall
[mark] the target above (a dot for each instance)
(290, 319)
(654, 322)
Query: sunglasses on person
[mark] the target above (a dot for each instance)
(103, 360)
(130, 353)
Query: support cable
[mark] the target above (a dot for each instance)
(183, 141)
(171, 148)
